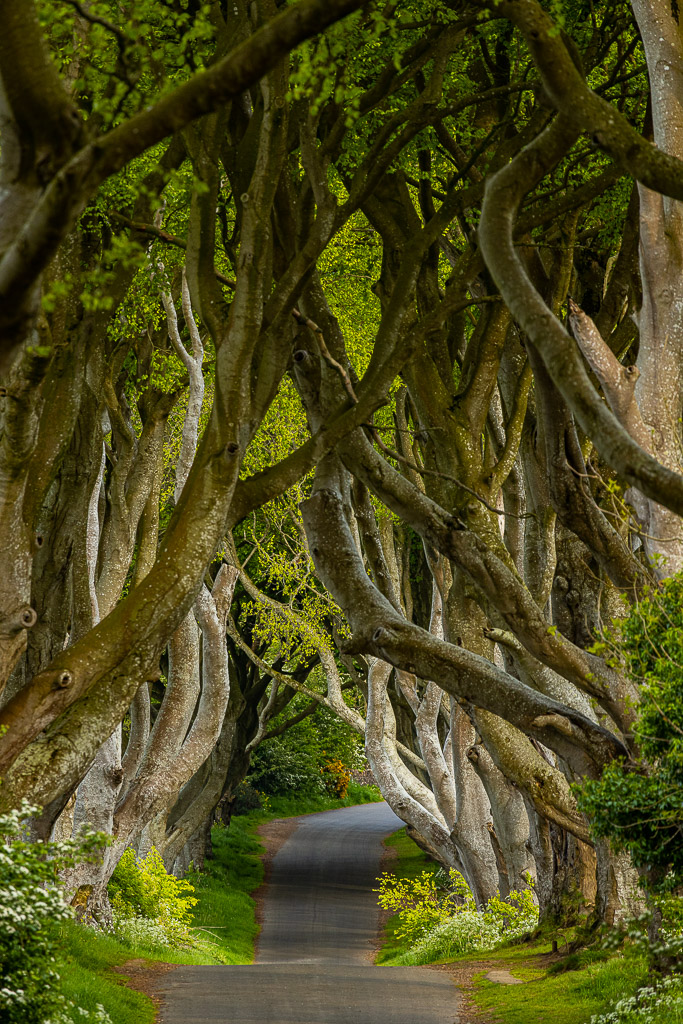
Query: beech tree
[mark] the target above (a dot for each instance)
(398, 310)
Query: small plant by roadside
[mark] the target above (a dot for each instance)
(151, 907)
(336, 778)
(31, 903)
(638, 805)
(424, 902)
(439, 918)
(661, 1003)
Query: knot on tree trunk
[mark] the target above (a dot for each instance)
(23, 617)
(115, 774)
(61, 678)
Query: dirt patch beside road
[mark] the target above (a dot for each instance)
(143, 976)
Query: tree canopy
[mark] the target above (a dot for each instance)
(341, 355)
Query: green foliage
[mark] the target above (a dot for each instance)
(336, 778)
(312, 757)
(439, 919)
(661, 1003)
(639, 806)
(139, 50)
(245, 798)
(423, 902)
(323, 736)
(31, 903)
(278, 769)
(145, 896)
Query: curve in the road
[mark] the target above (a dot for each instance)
(313, 960)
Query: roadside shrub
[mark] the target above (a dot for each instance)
(245, 798)
(671, 908)
(336, 778)
(466, 932)
(279, 770)
(514, 916)
(314, 757)
(31, 903)
(655, 1004)
(639, 806)
(141, 932)
(142, 889)
(424, 902)
(439, 920)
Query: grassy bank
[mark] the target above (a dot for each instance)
(223, 929)
(85, 966)
(550, 991)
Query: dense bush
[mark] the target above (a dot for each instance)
(639, 807)
(313, 757)
(336, 778)
(439, 920)
(325, 737)
(148, 901)
(278, 770)
(245, 798)
(31, 902)
(423, 902)
(466, 932)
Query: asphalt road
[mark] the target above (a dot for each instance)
(313, 962)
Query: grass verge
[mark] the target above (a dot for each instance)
(224, 925)
(571, 997)
(85, 965)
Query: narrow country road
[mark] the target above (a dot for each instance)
(313, 962)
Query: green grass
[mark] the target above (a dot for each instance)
(224, 924)
(410, 862)
(84, 966)
(569, 998)
(225, 911)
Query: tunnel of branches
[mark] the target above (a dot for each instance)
(341, 362)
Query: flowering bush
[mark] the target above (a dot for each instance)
(145, 896)
(658, 1004)
(31, 901)
(279, 770)
(466, 932)
(336, 778)
(440, 920)
(140, 932)
(422, 903)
